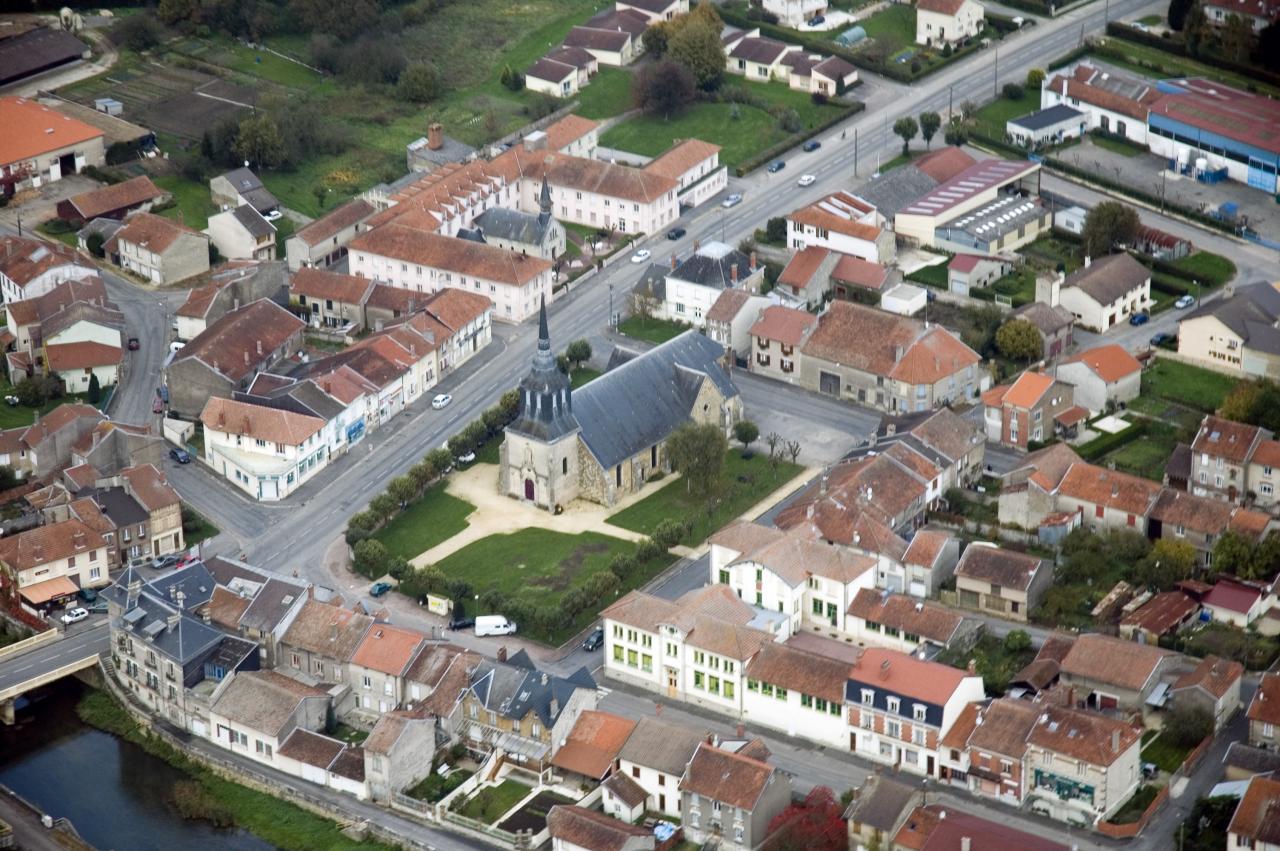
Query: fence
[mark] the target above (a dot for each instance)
(1177, 357)
(1128, 831)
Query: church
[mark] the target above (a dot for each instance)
(604, 440)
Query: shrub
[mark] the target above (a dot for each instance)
(1012, 91)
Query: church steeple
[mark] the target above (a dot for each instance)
(546, 398)
(544, 203)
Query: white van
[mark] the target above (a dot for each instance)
(494, 625)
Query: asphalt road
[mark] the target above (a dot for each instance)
(75, 644)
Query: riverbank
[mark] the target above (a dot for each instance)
(278, 822)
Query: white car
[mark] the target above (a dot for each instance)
(75, 615)
(441, 401)
(732, 201)
(467, 458)
(273, 216)
(806, 180)
(1184, 302)
(640, 256)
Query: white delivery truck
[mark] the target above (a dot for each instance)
(494, 625)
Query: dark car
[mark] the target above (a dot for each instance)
(134, 345)
(377, 589)
(459, 624)
(817, 20)
(594, 640)
(676, 233)
(164, 562)
(811, 146)
(88, 595)
(1162, 337)
(776, 166)
(1139, 319)
(182, 456)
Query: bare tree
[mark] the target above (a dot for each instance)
(793, 449)
(644, 304)
(773, 439)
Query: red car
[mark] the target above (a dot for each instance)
(185, 561)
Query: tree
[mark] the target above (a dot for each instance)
(321, 194)
(644, 304)
(94, 243)
(773, 439)
(1017, 641)
(697, 453)
(746, 433)
(1256, 402)
(1178, 10)
(775, 230)
(1035, 79)
(1187, 725)
(1019, 340)
(815, 825)
(370, 558)
(137, 32)
(1237, 37)
(402, 489)
(259, 141)
(383, 506)
(95, 389)
(1168, 562)
(696, 45)
(1240, 555)
(578, 352)
(907, 128)
(654, 40)
(440, 460)
(793, 450)
(419, 83)
(1267, 51)
(1012, 91)
(1107, 226)
(1195, 29)
(929, 124)
(663, 88)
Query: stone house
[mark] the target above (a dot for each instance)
(1084, 765)
(1103, 672)
(321, 641)
(1264, 714)
(254, 712)
(1102, 376)
(51, 563)
(1213, 685)
(879, 808)
(776, 339)
(1001, 582)
(378, 667)
(242, 233)
(655, 757)
(1054, 324)
(160, 251)
(114, 201)
(730, 318)
(731, 796)
(574, 828)
(398, 753)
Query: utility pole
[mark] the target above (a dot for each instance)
(995, 75)
(610, 322)
(855, 152)
(951, 92)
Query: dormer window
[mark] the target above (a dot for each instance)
(868, 697)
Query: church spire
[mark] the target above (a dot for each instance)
(544, 336)
(544, 204)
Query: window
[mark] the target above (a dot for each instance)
(868, 697)
(806, 701)
(892, 729)
(697, 679)
(918, 712)
(724, 577)
(892, 704)
(753, 685)
(727, 689)
(262, 748)
(1006, 767)
(364, 681)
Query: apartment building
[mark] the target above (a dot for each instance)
(1084, 766)
(265, 452)
(50, 563)
(29, 268)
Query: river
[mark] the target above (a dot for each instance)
(117, 795)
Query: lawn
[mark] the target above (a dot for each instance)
(436, 517)
(1149, 455)
(992, 118)
(1152, 20)
(1049, 250)
(607, 95)
(348, 734)
(1193, 386)
(219, 50)
(1019, 285)
(753, 131)
(996, 664)
(653, 330)
(60, 231)
(488, 451)
(433, 787)
(1115, 145)
(1206, 267)
(931, 276)
(200, 527)
(194, 205)
(1136, 806)
(1161, 750)
(744, 482)
(893, 27)
(582, 375)
(492, 802)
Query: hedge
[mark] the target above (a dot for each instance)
(1100, 446)
(752, 163)
(1139, 195)
(1124, 32)
(1069, 57)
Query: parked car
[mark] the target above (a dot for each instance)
(157, 405)
(817, 20)
(134, 345)
(163, 392)
(377, 589)
(185, 561)
(182, 456)
(441, 401)
(273, 216)
(88, 595)
(594, 640)
(457, 624)
(676, 233)
(1139, 319)
(164, 562)
(806, 180)
(1184, 302)
(732, 201)
(140, 561)
(776, 166)
(74, 615)
(98, 606)
(1162, 337)
(811, 146)
(494, 625)
(466, 458)
(640, 256)
(12, 401)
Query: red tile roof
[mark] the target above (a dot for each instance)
(1114, 661)
(317, 284)
(944, 163)
(905, 675)
(270, 424)
(119, 196)
(802, 266)
(451, 254)
(1265, 706)
(941, 7)
(1257, 816)
(1214, 674)
(84, 354)
(859, 272)
(1232, 596)
(32, 130)
(149, 231)
(1162, 612)
(593, 743)
(243, 340)
(388, 649)
(786, 325)
(1109, 488)
(727, 777)
(1028, 390)
(23, 259)
(1227, 439)
(1111, 362)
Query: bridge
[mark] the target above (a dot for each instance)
(45, 658)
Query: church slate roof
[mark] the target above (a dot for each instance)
(513, 225)
(546, 402)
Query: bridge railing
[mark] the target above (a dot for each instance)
(31, 643)
(40, 678)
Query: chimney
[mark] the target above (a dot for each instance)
(1115, 741)
(973, 667)
(544, 678)
(753, 261)
(258, 345)
(502, 653)
(435, 136)
(965, 844)
(246, 358)
(235, 304)
(555, 707)
(696, 245)
(897, 353)
(173, 620)
(822, 486)
(884, 670)
(205, 615)
(740, 731)
(673, 261)
(333, 632)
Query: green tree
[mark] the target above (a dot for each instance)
(402, 489)
(94, 243)
(697, 452)
(419, 83)
(439, 459)
(1232, 553)
(383, 506)
(746, 433)
(929, 124)
(259, 140)
(1187, 725)
(1266, 53)
(1017, 641)
(321, 194)
(137, 32)
(663, 88)
(1108, 225)
(1196, 29)
(654, 40)
(1012, 91)
(1237, 37)
(174, 12)
(696, 45)
(1019, 340)
(95, 389)
(1178, 10)
(775, 230)
(578, 352)
(1035, 79)
(370, 558)
(907, 128)
(1168, 562)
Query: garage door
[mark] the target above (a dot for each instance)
(829, 383)
(200, 728)
(1106, 701)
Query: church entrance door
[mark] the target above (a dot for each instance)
(528, 488)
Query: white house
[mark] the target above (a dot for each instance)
(655, 757)
(1104, 293)
(842, 223)
(1114, 102)
(548, 76)
(1106, 374)
(253, 712)
(267, 453)
(694, 285)
(798, 693)
(940, 22)
(242, 233)
(795, 13)
(29, 268)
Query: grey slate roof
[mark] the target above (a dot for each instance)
(272, 602)
(881, 803)
(105, 227)
(1040, 119)
(546, 399)
(252, 221)
(1251, 313)
(251, 189)
(513, 691)
(1049, 320)
(895, 189)
(653, 282)
(642, 398)
(512, 225)
(300, 397)
(116, 503)
(712, 266)
(1108, 278)
(661, 745)
(146, 618)
(37, 50)
(194, 581)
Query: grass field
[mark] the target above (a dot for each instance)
(991, 119)
(608, 94)
(745, 482)
(582, 375)
(194, 204)
(1148, 456)
(1192, 386)
(653, 330)
(1019, 285)
(996, 664)
(491, 802)
(893, 27)
(1150, 62)
(931, 276)
(1208, 268)
(1116, 146)
(1161, 750)
(434, 518)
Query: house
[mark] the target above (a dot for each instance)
(695, 283)
(936, 828)
(559, 79)
(855, 279)
(1107, 499)
(795, 13)
(828, 76)
(575, 828)
(1237, 602)
(730, 319)
(1259, 13)
(1002, 582)
(797, 692)
(878, 810)
(893, 363)
(1054, 324)
(1085, 765)
(586, 65)
(942, 22)
(42, 145)
(989, 207)
(255, 604)
(695, 167)
(929, 561)
(433, 151)
(137, 513)
(114, 201)
(1213, 685)
(609, 46)
(30, 268)
(331, 299)
(158, 250)
(379, 666)
(254, 712)
(654, 758)
(1222, 456)
(591, 749)
(74, 310)
(1049, 126)
(1103, 672)
(970, 271)
(901, 707)
(324, 761)
(947, 439)
(47, 444)
(844, 224)
(241, 186)
(1104, 293)
(776, 338)
(324, 241)
(655, 10)
(398, 753)
(242, 233)
(1164, 614)
(603, 440)
(985, 750)
(321, 640)
(231, 286)
(267, 453)
(806, 279)
(227, 355)
(1201, 521)
(50, 563)
(1028, 410)
(730, 796)
(1235, 334)
(899, 622)
(758, 58)
(1264, 713)
(1115, 102)
(1253, 824)
(861, 503)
